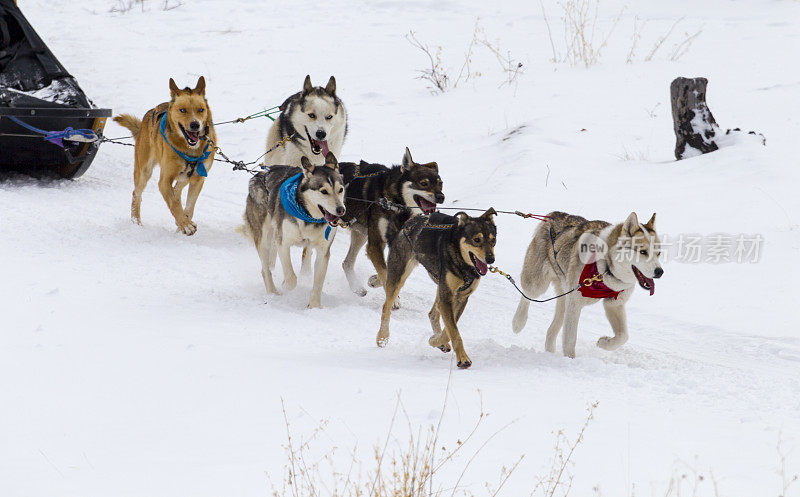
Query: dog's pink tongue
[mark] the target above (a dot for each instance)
(323, 145)
(652, 286)
(481, 266)
(426, 205)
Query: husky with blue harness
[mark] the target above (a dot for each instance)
(295, 206)
(177, 135)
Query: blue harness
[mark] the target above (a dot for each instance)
(293, 207)
(201, 169)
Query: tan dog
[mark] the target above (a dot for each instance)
(189, 129)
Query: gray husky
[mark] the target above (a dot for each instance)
(295, 206)
(606, 260)
(312, 123)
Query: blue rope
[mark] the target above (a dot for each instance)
(56, 137)
(201, 169)
(293, 207)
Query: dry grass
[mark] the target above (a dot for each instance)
(125, 6)
(437, 73)
(558, 481)
(787, 479)
(466, 73)
(583, 41)
(397, 469)
(630, 154)
(638, 27)
(510, 66)
(679, 49)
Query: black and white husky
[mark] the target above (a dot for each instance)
(295, 206)
(314, 121)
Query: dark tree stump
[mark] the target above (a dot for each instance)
(695, 126)
(696, 130)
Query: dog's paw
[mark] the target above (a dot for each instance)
(396, 304)
(382, 340)
(611, 343)
(463, 360)
(602, 342)
(136, 221)
(290, 283)
(187, 227)
(374, 281)
(361, 292)
(439, 342)
(314, 305)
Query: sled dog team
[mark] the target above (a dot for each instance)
(306, 194)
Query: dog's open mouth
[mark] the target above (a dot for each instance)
(192, 137)
(644, 282)
(481, 266)
(317, 146)
(330, 218)
(424, 204)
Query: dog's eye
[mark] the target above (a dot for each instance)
(329, 117)
(325, 192)
(424, 183)
(312, 116)
(643, 252)
(201, 110)
(341, 190)
(183, 111)
(477, 240)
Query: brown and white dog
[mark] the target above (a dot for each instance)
(190, 130)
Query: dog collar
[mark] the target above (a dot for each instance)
(357, 174)
(468, 280)
(292, 205)
(597, 289)
(201, 169)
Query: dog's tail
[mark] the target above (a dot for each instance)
(133, 123)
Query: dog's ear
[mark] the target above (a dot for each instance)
(461, 218)
(433, 166)
(631, 225)
(651, 224)
(330, 88)
(407, 160)
(489, 213)
(308, 167)
(307, 87)
(331, 162)
(173, 89)
(200, 88)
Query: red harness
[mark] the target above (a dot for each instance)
(597, 289)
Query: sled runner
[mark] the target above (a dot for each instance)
(47, 124)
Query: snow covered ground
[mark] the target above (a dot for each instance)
(137, 361)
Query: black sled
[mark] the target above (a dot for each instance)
(47, 124)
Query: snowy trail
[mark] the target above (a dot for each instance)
(136, 361)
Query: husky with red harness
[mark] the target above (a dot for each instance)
(600, 261)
